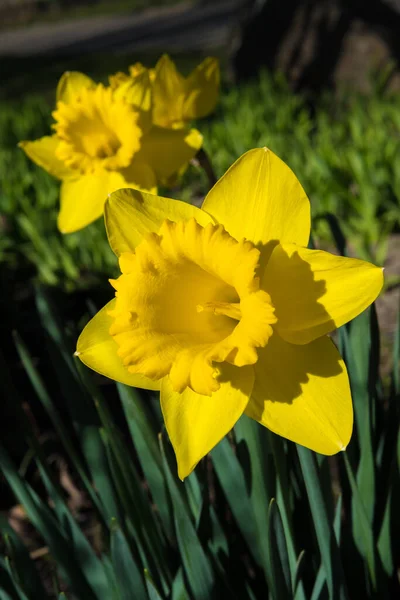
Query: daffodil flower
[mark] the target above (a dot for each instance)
(226, 311)
(176, 100)
(102, 143)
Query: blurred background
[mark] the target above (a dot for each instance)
(317, 81)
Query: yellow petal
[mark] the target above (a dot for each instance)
(97, 350)
(131, 214)
(82, 200)
(314, 292)
(166, 151)
(261, 199)
(196, 423)
(117, 79)
(168, 93)
(302, 393)
(43, 153)
(202, 89)
(137, 69)
(70, 84)
(137, 91)
(140, 176)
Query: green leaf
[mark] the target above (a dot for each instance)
(154, 594)
(385, 538)
(256, 460)
(195, 493)
(196, 565)
(325, 535)
(146, 527)
(367, 537)
(109, 570)
(7, 589)
(283, 494)
(144, 437)
(279, 571)
(15, 579)
(319, 589)
(53, 325)
(365, 347)
(233, 483)
(179, 591)
(128, 573)
(299, 571)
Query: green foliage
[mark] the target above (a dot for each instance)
(259, 518)
(344, 150)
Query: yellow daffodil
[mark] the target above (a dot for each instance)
(226, 311)
(102, 143)
(176, 100)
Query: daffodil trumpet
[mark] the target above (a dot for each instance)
(226, 311)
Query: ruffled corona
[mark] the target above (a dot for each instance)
(186, 298)
(96, 131)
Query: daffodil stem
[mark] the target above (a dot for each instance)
(205, 163)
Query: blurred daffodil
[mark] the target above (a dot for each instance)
(225, 311)
(102, 143)
(175, 99)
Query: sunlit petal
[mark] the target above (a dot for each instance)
(302, 393)
(168, 93)
(196, 423)
(314, 291)
(167, 151)
(71, 84)
(131, 214)
(82, 199)
(97, 350)
(261, 199)
(202, 90)
(43, 153)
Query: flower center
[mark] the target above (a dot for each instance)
(188, 298)
(96, 131)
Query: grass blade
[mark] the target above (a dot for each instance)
(196, 565)
(144, 438)
(129, 575)
(153, 592)
(232, 480)
(279, 571)
(255, 457)
(325, 535)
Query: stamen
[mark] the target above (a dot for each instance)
(229, 309)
